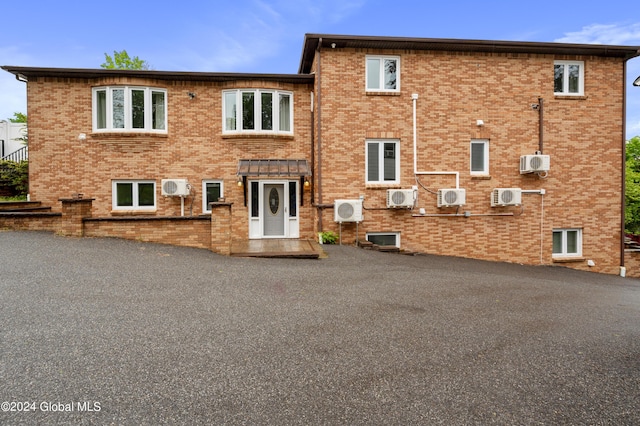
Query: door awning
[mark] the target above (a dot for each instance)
(274, 168)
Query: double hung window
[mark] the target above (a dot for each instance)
(133, 195)
(257, 110)
(383, 161)
(479, 157)
(567, 243)
(568, 78)
(383, 73)
(125, 108)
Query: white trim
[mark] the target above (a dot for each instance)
(381, 73)
(134, 206)
(564, 253)
(148, 109)
(205, 204)
(485, 167)
(395, 234)
(257, 113)
(380, 143)
(565, 89)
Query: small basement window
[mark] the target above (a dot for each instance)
(384, 239)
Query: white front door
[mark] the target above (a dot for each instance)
(273, 209)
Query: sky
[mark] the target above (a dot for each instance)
(266, 36)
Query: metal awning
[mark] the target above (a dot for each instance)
(274, 168)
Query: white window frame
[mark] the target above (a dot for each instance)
(564, 253)
(205, 204)
(128, 125)
(135, 206)
(394, 234)
(379, 70)
(485, 166)
(257, 117)
(381, 161)
(565, 81)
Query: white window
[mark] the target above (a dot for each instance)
(383, 161)
(133, 194)
(263, 111)
(479, 157)
(383, 73)
(131, 109)
(384, 239)
(567, 242)
(568, 78)
(211, 191)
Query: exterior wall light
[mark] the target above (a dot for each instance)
(239, 181)
(637, 82)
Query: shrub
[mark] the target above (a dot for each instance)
(15, 175)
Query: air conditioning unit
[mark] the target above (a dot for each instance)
(506, 197)
(348, 211)
(534, 163)
(401, 198)
(175, 188)
(451, 197)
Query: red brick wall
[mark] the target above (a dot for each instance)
(583, 137)
(60, 109)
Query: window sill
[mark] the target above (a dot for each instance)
(127, 137)
(568, 259)
(383, 186)
(133, 212)
(382, 93)
(571, 97)
(480, 177)
(275, 136)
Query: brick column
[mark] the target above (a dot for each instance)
(221, 228)
(73, 211)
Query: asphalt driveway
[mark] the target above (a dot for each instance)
(106, 331)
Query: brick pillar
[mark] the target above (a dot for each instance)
(221, 228)
(73, 211)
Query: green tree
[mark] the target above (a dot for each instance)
(122, 61)
(18, 117)
(632, 187)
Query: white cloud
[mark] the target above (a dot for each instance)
(604, 34)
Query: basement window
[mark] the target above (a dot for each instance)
(384, 239)
(567, 243)
(133, 195)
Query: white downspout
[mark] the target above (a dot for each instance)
(414, 97)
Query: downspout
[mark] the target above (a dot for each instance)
(623, 201)
(319, 96)
(540, 125)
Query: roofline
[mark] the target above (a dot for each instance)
(24, 73)
(313, 41)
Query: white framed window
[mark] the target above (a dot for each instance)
(383, 161)
(479, 156)
(257, 110)
(129, 108)
(568, 78)
(211, 191)
(383, 73)
(567, 242)
(384, 238)
(133, 194)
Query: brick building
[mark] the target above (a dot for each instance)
(510, 151)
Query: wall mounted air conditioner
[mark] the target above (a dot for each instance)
(451, 197)
(506, 197)
(348, 211)
(175, 188)
(534, 163)
(401, 198)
